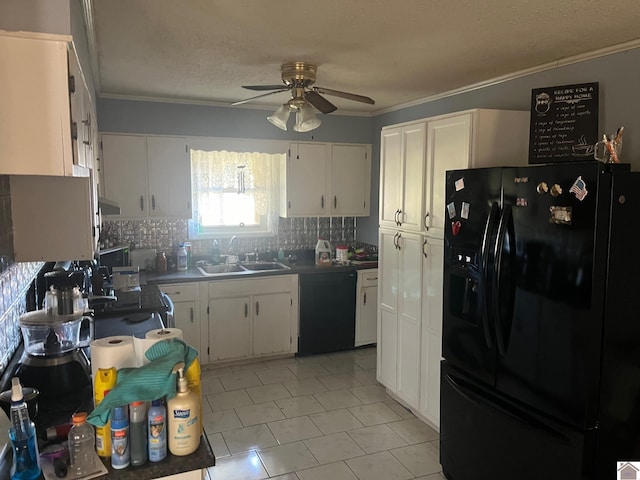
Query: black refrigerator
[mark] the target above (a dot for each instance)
(540, 377)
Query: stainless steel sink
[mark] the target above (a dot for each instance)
(263, 266)
(220, 269)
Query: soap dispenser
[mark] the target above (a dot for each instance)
(183, 417)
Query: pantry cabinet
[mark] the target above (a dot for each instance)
(401, 176)
(186, 312)
(252, 317)
(36, 98)
(399, 321)
(323, 179)
(149, 177)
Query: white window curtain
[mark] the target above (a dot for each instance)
(220, 175)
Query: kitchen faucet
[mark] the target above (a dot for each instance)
(231, 244)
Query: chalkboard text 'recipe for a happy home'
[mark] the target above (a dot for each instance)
(564, 123)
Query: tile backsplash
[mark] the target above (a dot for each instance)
(293, 234)
(14, 283)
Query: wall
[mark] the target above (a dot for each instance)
(617, 74)
(49, 16)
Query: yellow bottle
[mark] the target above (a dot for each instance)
(183, 418)
(105, 380)
(193, 375)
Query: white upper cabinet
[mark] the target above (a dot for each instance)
(303, 179)
(147, 176)
(350, 180)
(402, 164)
(472, 139)
(323, 179)
(35, 118)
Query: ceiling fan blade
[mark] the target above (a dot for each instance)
(264, 87)
(349, 96)
(321, 103)
(246, 100)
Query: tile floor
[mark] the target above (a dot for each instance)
(313, 418)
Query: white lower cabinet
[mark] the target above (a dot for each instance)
(252, 317)
(366, 307)
(186, 312)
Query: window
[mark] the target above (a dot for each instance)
(233, 192)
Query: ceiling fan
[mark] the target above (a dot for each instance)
(299, 77)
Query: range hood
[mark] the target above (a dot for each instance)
(108, 207)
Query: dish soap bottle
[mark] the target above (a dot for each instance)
(182, 257)
(183, 419)
(26, 460)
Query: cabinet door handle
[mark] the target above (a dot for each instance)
(364, 299)
(372, 278)
(395, 217)
(399, 237)
(322, 201)
(399, 218)
(246, 310)
(395, 240)
(426, 217)
(257, 308)
(74, 130)
(191, 314)
(141, 203)
(335, 201)
(153, 202)
(424, 244)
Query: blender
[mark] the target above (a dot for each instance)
(53, 360)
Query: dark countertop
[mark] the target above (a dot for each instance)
(201, 458)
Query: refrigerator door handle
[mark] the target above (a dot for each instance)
(469, 393)
(488, 239)
(503, 329)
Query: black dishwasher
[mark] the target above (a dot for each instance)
(327, 312)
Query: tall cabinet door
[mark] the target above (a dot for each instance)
(448, 148)
(169, 177)
(409, 309)
(431, 354)
(390, 176)
(413, 143)
(387, 340)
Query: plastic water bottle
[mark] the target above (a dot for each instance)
(138, 432)
(22, 434)
(157, 418)
(82, 444)
(120, 451)
(182, 257)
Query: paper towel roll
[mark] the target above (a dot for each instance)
(117, 351)
(152, 337)
(164, 334)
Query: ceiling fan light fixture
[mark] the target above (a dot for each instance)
(280, 116)
(306, 119)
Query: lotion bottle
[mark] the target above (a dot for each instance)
(183, 412)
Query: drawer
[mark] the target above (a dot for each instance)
(181, 292)
(255, 286)
(368, 278)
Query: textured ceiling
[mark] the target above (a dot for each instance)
(393, 51)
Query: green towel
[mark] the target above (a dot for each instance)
(146, 383)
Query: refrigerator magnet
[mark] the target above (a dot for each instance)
(464, 211)
(455, 227)
(451, 209)
(579, 188)
(459, 184)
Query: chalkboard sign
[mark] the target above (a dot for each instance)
(564, 123)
